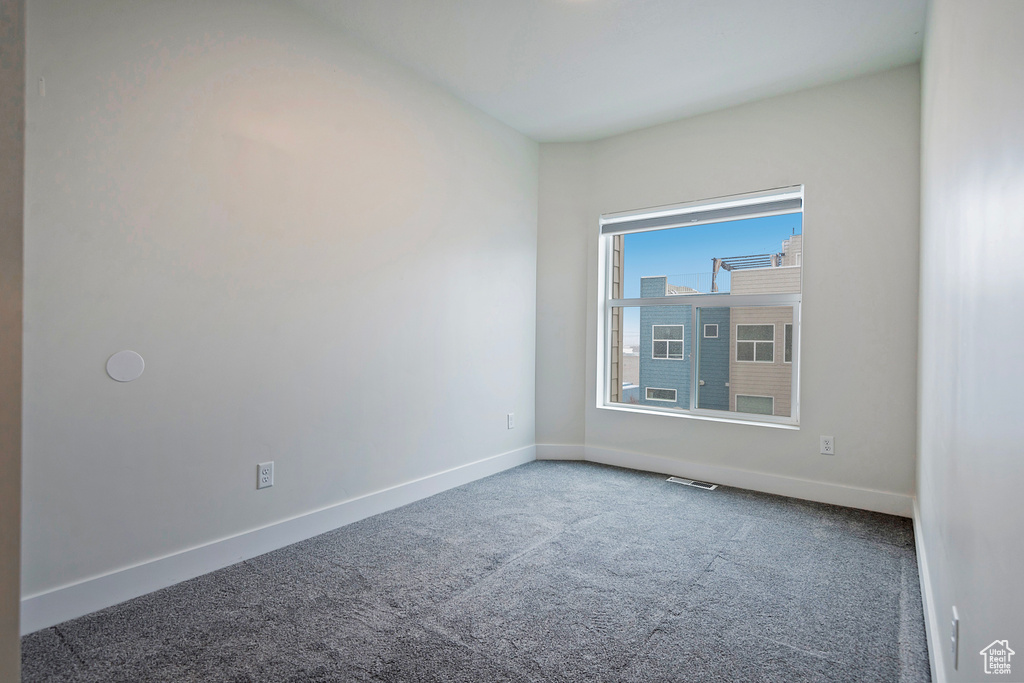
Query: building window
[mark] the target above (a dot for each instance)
(758, 405)
(755, 343)
(732, 279)
(667, 342)
(654, 394)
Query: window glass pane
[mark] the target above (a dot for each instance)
(624, 356)
(668, 331)
(729, 367)
(789, 343)
(654, 358)
(639, 361)
(660, 394)
(751, 256)
(761, 405)
(754, 332)
(764, 352)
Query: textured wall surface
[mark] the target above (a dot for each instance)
(664, 373)
(713, 359)
(773, 379)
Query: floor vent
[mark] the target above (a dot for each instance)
(696, 484)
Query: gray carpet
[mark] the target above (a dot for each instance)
(552, 571)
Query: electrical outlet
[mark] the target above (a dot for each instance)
(828, 445)
(511, 420)
(265, 475)
(954, 638)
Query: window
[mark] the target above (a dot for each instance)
(661, 394)
(755, 343)
(715, 286)
(667, 342)
(759, 405)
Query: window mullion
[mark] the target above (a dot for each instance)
(710, 301)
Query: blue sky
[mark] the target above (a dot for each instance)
(687, 250)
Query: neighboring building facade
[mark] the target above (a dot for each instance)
(714, 330)
(664, 348)
(760, 379)
(744, 355)
(758, 384)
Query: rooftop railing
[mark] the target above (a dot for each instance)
(697, 283)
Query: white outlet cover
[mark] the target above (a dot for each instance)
(125, 366)
(265, 475)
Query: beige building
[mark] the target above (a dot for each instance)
(760, 357)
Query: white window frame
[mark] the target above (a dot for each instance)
(753, 396)
(710, 336)
(751, 205)
(681, 340)
(755, 342)
(675, 394)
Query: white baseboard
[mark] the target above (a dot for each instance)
(68, 602)
(557, 451)
(932, 625)
(836, 494)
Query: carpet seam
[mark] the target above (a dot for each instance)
(499, 570)
(430, 622)
(686, 591)
(809, 653)
(67, 643)
(504, 666)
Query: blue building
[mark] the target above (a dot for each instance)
(713, 358)
(665, 351)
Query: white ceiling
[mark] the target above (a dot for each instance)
(561, 70)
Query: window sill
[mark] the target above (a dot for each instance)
(793, 426)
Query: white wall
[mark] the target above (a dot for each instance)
(855, 147)
(324, 260)
(12, 151)
(562, 268)
(970, 471)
